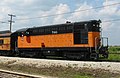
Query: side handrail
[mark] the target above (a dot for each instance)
(101, 43)
(103, 40)
(96, 43)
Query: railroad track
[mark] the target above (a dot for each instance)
(61, 58)
(20, 75)
(101, 60)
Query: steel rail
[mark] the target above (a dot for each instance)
(20, 74)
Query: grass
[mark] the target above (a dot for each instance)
(59, 71)
(114, 53)
(114, 57)
(114, 49)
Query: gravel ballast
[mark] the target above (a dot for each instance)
(112, 66)
(46, 63)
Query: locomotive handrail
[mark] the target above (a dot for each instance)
(96, 43)
(103, 41)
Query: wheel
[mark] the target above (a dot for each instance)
(94, 56)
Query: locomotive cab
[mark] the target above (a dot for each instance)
(101, 44)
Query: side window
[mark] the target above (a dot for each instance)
(1, 42)
(80, 34)
(84, 36)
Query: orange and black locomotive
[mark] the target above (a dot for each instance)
(78, 40)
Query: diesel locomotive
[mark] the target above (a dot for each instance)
(78, 40)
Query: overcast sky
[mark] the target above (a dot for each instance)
(24, 9)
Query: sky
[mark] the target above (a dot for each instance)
(29, 13)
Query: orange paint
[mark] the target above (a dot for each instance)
(92, 36)
(55, 40)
